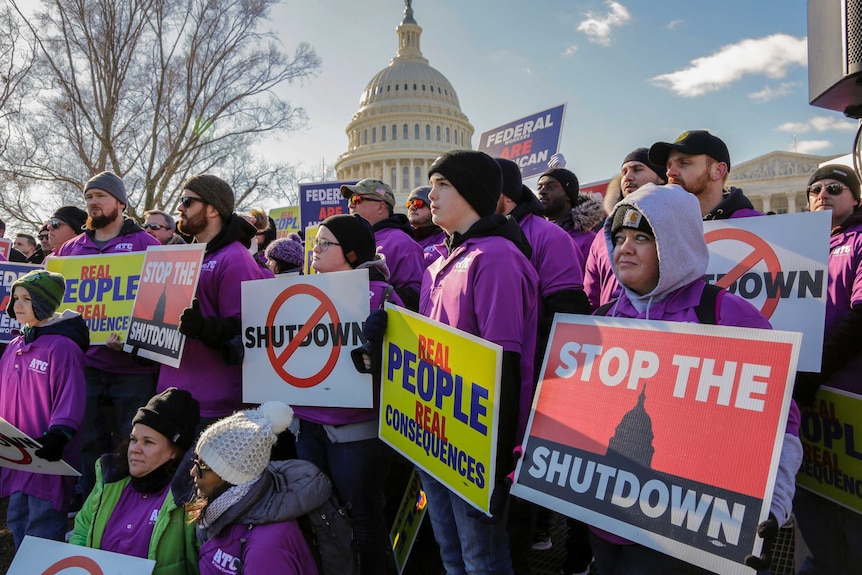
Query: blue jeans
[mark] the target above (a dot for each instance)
(832, 533)
(613, 559)
(357, 470)
(101, 434)
(28, 515)
(467, 545)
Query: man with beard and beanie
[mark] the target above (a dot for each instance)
(557, 261)
(600, 284)
(426, 232)
(834, 533)
(700, 163)
(374, 201)
(483, 283)
(114, 378)
(578, 215)
(211, 367)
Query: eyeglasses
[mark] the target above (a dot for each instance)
(321, 243)
(55, 224)
(187, 201)
(416, 204)
(831, 189)
(357, 199)
(200, 467)
(155, 227)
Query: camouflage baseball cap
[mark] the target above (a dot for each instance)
(369, 188)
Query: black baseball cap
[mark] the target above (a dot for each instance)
(693, 142)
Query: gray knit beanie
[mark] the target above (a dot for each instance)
(108, 182)
(238, 447)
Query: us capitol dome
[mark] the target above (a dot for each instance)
(408, 115)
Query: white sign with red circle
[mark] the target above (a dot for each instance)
(38, 556)
(17, 451)
(297, 333)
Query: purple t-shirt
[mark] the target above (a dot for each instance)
(99, 356)
(429, 252)
(42, 384)
(272, 548)
(600, 283)
(345, 415)
(404, 257)
(130, 527)
(203, 372)
(583, 240)
(555, 257)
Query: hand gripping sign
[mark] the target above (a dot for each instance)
(38, 556)
(438, 405)
(17, 451)
(666, 434)
(297, 333)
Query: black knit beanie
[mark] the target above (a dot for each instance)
(46, 291)
(475, 175)
(214, 191)
(513, 186)
(174, 413)
(843, 174)
(73, 216)
(642, 155)
(567, 179)
(355, 235)
(108, 182)
(627, 216)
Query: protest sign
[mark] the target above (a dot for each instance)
(17, 451)
(5, 247)
(286, 220)
(831, 434)
(9, 273)
(47, 557)
(438, 405)
(102, 289)
(529, 141)
(405, 528)
(298, 332)
(319, 200)
(310, 235)
(779, 265)
(667, 434)
(169, 278)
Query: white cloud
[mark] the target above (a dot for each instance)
(674, 24)
(768, 93)
(570, 51)
(598, 27)
(771, 56)
(818, 124)
(811, 146)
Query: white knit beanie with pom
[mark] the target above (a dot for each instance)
(238, 447)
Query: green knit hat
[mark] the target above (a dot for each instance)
(46, 291)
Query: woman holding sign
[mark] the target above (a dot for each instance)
(136, 507)
(659, 258)
(342, 441)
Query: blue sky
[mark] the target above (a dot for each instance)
(632, 73)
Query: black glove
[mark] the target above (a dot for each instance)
(373, 332)
(806, 386)
(768, 531)
(499, 499)
(192, 320)
(53, 442)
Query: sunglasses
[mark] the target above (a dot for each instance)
(155, 227)
(187, 201)
(43, 238)
(416, 204)
(200, 467)
(357, 199)
(55, 224)
(323, 244)
(831, 189)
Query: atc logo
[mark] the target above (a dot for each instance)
(124, 247)
(38, 366)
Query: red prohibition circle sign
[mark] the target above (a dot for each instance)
(78, 561)
(761, 251)
(325, 308)
(26, 459)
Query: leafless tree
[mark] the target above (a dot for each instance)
(153, 90)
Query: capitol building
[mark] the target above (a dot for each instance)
(408, 115)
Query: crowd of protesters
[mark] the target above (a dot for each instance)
(176, 468)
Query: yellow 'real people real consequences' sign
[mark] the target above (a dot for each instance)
(438, 406)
